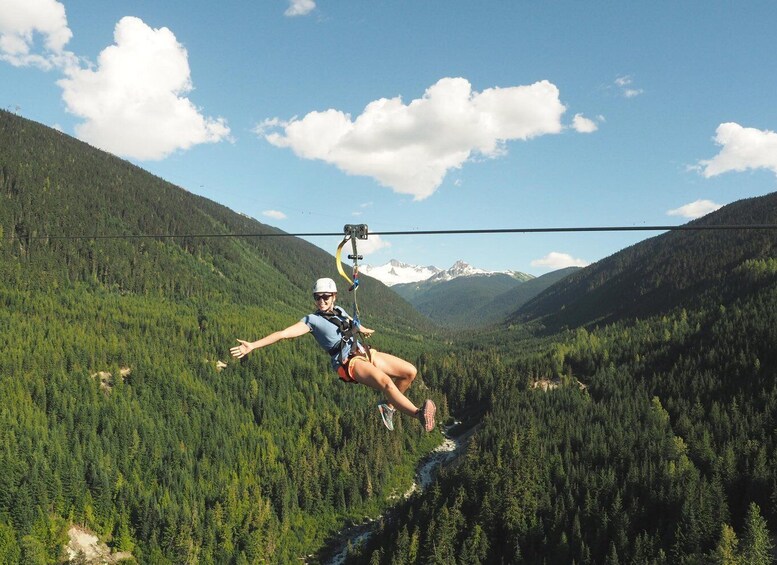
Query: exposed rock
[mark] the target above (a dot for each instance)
(84, 543)
(547, 384)
(106, 378)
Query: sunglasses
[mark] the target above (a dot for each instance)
(318, 297)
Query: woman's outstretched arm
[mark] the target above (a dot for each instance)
(246, 347)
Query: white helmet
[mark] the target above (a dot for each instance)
(325, 285)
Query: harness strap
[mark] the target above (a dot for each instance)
(348, 331)
(338, 257)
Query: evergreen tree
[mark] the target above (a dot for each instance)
(10, 552)
(726, 552)
(475, 547)
(33, 551)
(757, 547)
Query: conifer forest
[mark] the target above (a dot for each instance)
(627, 415)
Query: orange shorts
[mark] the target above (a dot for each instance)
(345, 371)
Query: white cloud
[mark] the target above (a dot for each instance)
(21, 21)
(274, 214)
(582, 124)
(300, 7)
(695, 209)
(555, 260)
(742, 149)
(411, 147)
(370, 245)
(134, 101)
(625, 84)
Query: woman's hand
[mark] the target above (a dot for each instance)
(240, 351)
(366, 332)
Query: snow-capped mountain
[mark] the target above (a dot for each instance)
(462, 296)
(459, 269)
(396, 272)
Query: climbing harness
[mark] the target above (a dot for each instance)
(348, 330)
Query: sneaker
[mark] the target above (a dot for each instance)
(426, 414)
(387, 414)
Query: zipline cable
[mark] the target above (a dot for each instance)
(716, 227)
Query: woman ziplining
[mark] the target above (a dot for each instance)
(337, 333)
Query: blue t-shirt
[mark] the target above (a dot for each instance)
(328, 335)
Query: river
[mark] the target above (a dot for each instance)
(446, 452)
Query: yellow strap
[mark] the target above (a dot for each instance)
(340, 262)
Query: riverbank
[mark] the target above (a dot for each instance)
(452, 446)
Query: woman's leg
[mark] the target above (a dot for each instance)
(371, 375)
(402, 372)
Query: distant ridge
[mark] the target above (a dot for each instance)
(396, 272)
(660, 273)
(464, 296)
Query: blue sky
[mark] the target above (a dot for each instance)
(418, 115)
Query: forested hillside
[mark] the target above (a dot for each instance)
(476, 300)
(459, 302)
(664, 272)
(503, 306)
(116, 413)
(53, 185)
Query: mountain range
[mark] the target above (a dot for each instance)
(118, 416)
(396, 272)
(463, 296)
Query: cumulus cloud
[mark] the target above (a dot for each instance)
(411, 147)
(695, 209)
(372, 244)
(23, 22)
(134, 102)
(582, 124)
(742, 148)
(274, 214)
(625, 84)
(300, 8)
(555, 260)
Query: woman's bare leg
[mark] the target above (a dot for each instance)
(401, 372)
(368, 374)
